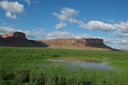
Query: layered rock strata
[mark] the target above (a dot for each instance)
(18, 39)
(91, 40)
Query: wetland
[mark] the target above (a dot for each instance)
(84, 63)
(45, 66)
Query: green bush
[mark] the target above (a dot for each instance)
(22, 75)
(36, 77)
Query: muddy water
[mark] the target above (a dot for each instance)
(85, 63)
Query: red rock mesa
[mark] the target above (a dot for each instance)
(15, 34)
(100, 41)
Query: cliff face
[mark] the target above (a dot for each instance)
(22, 35)
(81, 44)
(18, 39)
(98, 41)
(15, 34)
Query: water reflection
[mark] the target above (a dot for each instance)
(86, 64)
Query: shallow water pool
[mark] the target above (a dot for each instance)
(85, 63)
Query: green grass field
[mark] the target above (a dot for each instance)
(22, 66)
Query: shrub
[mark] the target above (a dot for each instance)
(5, 74)
(55, 55)
(42, 54)
(36, 77)
(22, 75)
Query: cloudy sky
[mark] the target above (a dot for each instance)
(50, 19)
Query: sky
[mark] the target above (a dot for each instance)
(51, 19)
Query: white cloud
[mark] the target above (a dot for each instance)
(6, 30)
(61, 17)
(72, 20)
(122, 27)
(29, 34)
(35, 34)
(28, 1)
(58, 34)
(120, 34)
(97, 25)
(60, 26)
(82, 24)
(116, 41)
(67, 14)
(9, 15)
(84, 36)
(14, 7)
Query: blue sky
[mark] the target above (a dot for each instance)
(50, 19)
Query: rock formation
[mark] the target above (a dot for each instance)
(15, 34)
(18, 39)
(100, 41)
(81, 44)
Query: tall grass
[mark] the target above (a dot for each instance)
(23, 66)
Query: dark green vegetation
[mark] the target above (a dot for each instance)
(22, 66)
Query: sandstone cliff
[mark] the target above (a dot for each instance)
(82, 44)
(18, 39)
(15, 34)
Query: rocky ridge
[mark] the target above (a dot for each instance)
(18, 39)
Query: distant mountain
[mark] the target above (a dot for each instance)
(18, 39)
